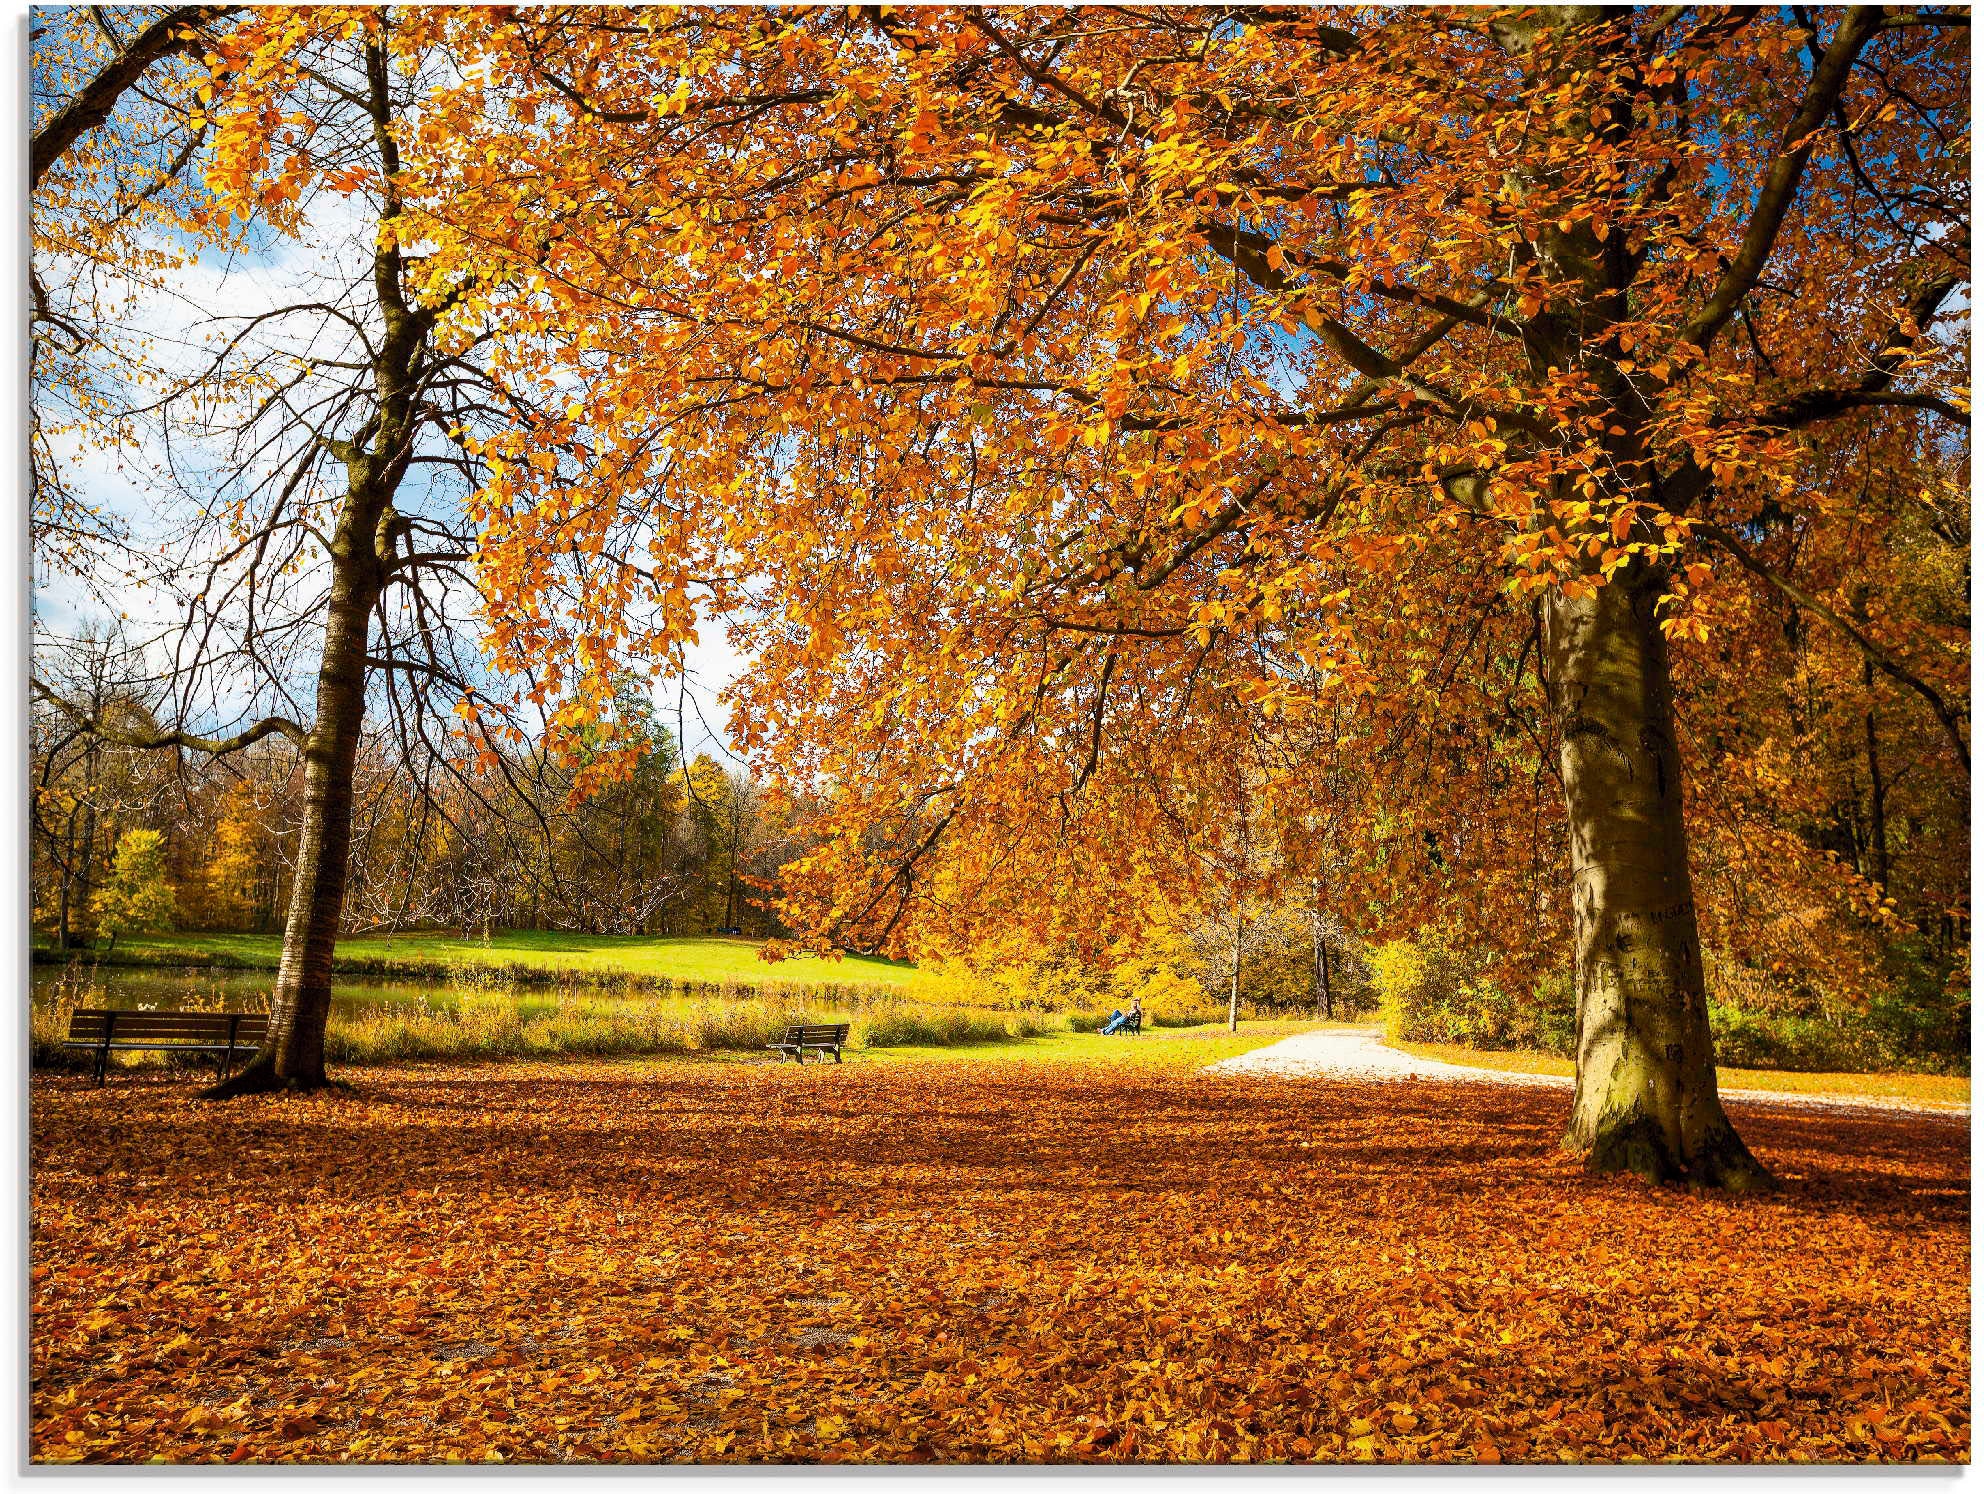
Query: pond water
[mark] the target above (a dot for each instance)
(126, 987)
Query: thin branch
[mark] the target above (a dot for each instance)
(1951, 716)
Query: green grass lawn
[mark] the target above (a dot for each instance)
(688, 959)
(1933, 1089)
(1154, 1048)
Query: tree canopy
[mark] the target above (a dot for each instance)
(1108, 431)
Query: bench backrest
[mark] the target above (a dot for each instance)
(95, 1026)
(817, 1032)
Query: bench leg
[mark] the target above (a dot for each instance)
(102, 1062)
(836, 1053)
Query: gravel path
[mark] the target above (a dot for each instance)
(1358, 1053)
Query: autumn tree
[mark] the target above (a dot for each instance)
(87, 792)
(135, 899)
(314, 548)
(615, 865)
(1063, 382)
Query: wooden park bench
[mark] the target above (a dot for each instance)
(822, 1037)
(223, 1034)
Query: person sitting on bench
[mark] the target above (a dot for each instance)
(1133, 1019)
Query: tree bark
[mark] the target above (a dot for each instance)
(62, 934)
(1646, 1099)
(1233, 997)
(1323, 977)
(1877, 787)
(1877, 791)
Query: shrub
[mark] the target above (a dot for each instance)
(1029, 1025)
(932, 1027)
(1398, 974)
(1428, 992)
(1775, 1040)
(48, 1026)
(1160, 988)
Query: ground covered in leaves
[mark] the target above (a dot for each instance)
(716, 1261)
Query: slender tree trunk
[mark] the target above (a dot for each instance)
(1877, 786)
(1327, 996)
(1321, 952)
(84, 880)
(1233, 997)
(62, 934)
(1646, 1098)
(293, 1055)
(1877, 792)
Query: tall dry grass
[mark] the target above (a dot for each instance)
(482, 1025)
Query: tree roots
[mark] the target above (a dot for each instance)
(1635, 1142)
(262, 1079)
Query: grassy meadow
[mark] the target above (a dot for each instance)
(493, 1025)
(533, 995)
(518, 953)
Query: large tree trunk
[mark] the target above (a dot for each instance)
(1646, 1097)
(300, 1007)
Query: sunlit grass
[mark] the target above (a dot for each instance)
(884, 1027)
(1161, 1048)
(475, 1024)
(688, 960)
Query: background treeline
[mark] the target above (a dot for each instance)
(123, 840)
(1831, 869)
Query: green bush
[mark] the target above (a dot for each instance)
(1883, 1038)
(1428, 992)
(1759, 1040)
